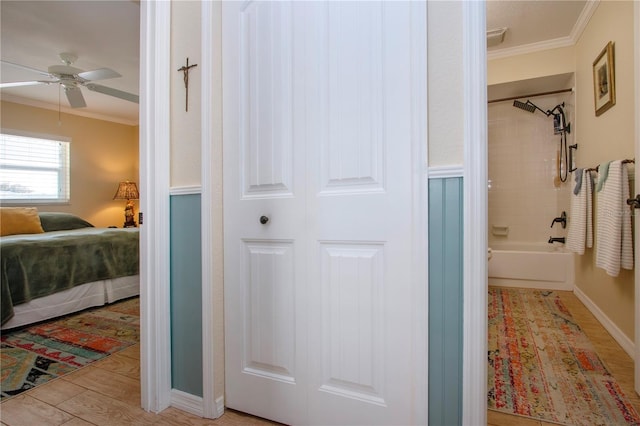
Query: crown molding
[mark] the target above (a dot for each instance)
(531, 48)
(66, 110)
(583, 20)
(570, 40)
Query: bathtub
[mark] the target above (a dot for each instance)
(540, 266)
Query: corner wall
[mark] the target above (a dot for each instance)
(607, 137)
(103, 153)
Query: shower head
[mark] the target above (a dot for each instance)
(528, 106)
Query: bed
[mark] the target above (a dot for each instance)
(65, 266)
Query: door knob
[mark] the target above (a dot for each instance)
(264, 219)
(634, 202)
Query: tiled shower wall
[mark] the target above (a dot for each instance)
(522, 165)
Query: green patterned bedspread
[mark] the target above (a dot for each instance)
(38, 265)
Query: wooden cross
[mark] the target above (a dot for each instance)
(185, 69)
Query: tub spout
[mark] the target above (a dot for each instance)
(556, 240)
(562, 219)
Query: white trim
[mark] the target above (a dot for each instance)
(606, 322)
(636, 32)
(583, 19)
(72, 111)
(186, 402)
(207, 64)
(155, 349)
(35, 135)
(570, 40)
(442, 172)
(420, 202)
(219, 406)
(474, 339)
(531, 48)
(186, 190)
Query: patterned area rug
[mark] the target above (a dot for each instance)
(542, 365)
(33, 355)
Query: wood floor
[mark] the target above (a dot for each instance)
(614, 357)
(107, 393)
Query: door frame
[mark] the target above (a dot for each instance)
(155, 354)
(474, 338)
(636, 32)
(211, 206)
(155, 334)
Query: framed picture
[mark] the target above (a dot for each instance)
(604, 84)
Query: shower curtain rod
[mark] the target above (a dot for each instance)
(553, 92)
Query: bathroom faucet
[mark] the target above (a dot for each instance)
(556, 240)
(562, 219)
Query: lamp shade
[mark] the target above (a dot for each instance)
(127, 191)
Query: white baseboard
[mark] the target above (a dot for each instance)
(187, 402)
(219, 406)
(626, 343)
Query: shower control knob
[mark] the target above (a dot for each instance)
(264, 220)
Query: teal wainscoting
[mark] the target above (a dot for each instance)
(445, 301)
(186, 300)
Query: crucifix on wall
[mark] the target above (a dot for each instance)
(185, 69)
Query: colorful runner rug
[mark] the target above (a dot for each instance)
(542, 365)
(33, 355)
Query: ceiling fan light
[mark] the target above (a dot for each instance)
(495, 36)
(68, 58)
(63, 70)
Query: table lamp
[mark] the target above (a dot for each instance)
(128, 191)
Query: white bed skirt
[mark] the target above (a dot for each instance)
(73, 300)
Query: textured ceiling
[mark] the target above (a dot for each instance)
(530, 22)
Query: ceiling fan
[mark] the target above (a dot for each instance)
(71, 79)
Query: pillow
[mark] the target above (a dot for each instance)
(56, 221)
(19, 220)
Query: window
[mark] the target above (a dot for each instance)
(33, 169)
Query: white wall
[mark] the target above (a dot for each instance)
(531, 65)
(185, 125)
(445, 83)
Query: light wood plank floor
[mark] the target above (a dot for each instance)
(107, 393)
(614, 357)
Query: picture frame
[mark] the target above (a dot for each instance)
(604, 87)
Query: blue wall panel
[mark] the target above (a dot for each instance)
(186, 300)
(445, 301)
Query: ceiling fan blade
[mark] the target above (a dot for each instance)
(113, 92)
(24, 67)
(24, 83)
(99, 74)
(74, 95)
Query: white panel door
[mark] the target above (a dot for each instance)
(324, 105)
(263, 176)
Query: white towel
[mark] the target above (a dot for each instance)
(581, 219)
(614, 247)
